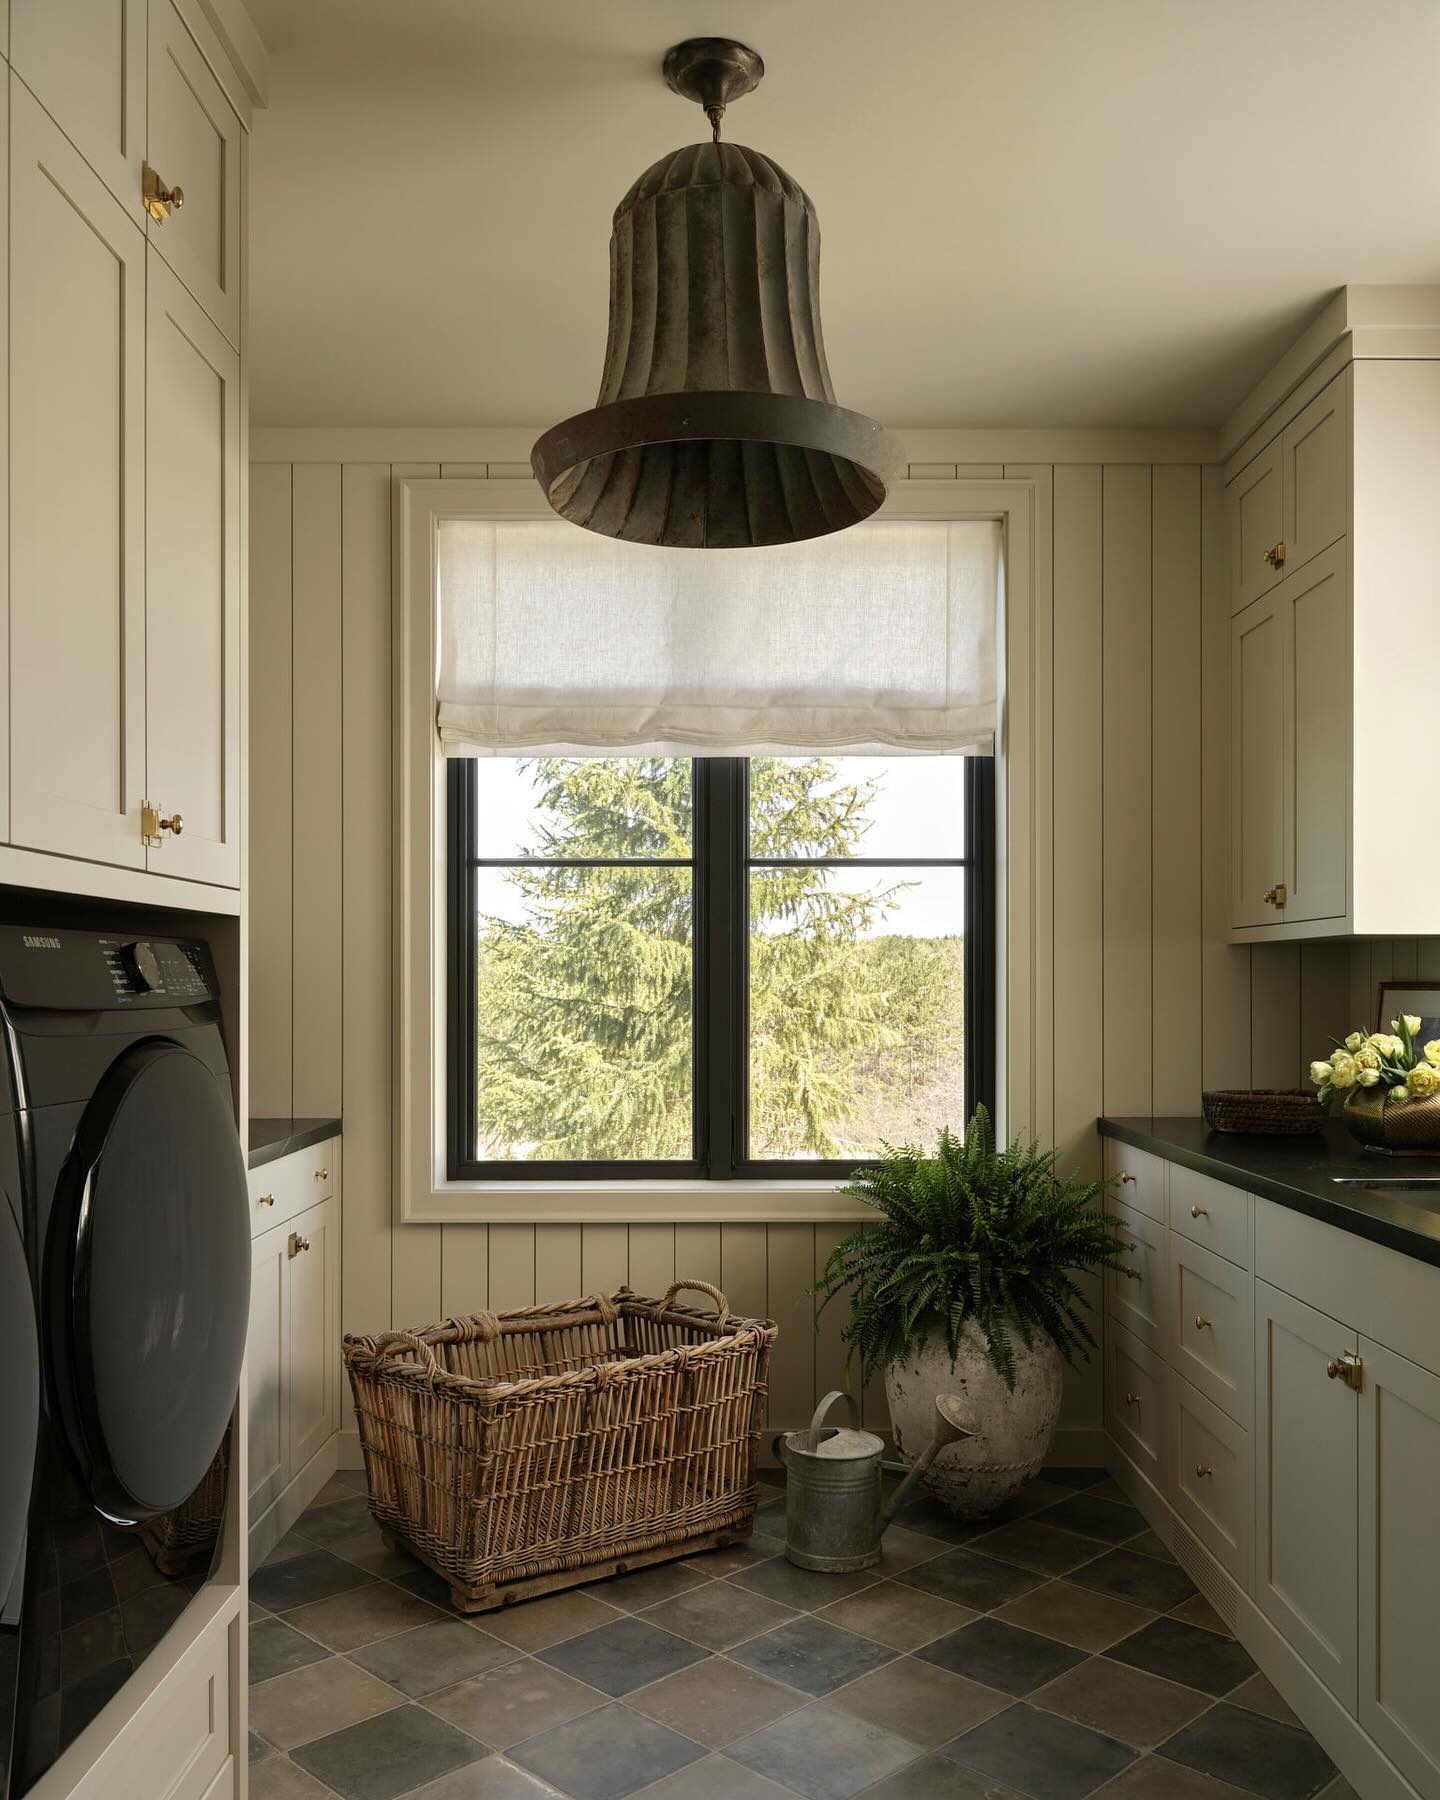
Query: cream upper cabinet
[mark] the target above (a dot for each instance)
(194, 146)
(192, 663)
(1306, 1443)
(1315, 453)
(1257, 761)
(1256, 502)
(85, 62)
(77, 572)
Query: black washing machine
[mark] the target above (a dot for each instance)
(124, 1293)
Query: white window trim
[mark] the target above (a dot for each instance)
(423, 1193)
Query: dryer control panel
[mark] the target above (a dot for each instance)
(84, 971)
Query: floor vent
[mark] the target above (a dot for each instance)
(1201, 1570)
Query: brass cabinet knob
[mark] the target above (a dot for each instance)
(158, 200)
(322, 1174)
(1202, 1323)
(1203, 1469)
(266, 1200)
(1132, 1399)
(1275, 555)
(297, 1244)
(1126, 1178)
(1276, 896)
(1199, 1212)
(174, 824)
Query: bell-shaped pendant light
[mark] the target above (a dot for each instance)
(716, 425)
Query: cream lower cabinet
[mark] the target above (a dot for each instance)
(293, 1369)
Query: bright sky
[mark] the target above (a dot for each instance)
(918, 810)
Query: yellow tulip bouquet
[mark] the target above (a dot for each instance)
(1390, 1060)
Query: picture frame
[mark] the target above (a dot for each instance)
(1418, 997)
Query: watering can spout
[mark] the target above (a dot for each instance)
(952, 1423)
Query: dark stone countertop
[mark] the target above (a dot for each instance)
(1298, 1172)
(270, 1139)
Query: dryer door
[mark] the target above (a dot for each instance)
(148, 1281)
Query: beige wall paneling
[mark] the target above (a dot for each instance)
(697, 1253)
(1175, 794)
(1225, 987)
(742, 1269)
(1021, 736)
(1126, 751)
(557, 1264)
(652, 1258)
(464, 1269)
(366, 1092)
(461, 469)
(271, 896)
(4, 467)
(512, 1265)
(1427, 959)
(1324, 1001)
(831, 1369)
(415, 1273)
(604, 1260)
(789, 1271)
(1275, 1052)
(317, 735)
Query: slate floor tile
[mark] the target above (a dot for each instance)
(978, 1582)
(1036, 1544)
(804, 1589)
(537, 1624)
(902, 1617)
(1259, 1695)
(812, 1655)
(323, 1524)
(493, 1778)
(433, 1656)
(259, 1749)
(362, 1616)
(1185, 1653)
(384, 1757)
(924, 1514)
(716, 1702)
(1197, 1610)
(281, 1780)
(718, 1615)
(1150, 1543)
(1125, 1703)
(1139, 1579)
(728, 1561)
(505, 1705)
(324, 1697)
(1075, 1615)
(430, 1587)
(824, 1754)
(292, 1544)
(716, 1778)
(1002, 1656)
(298, 1580)
(338, 1488)
(1044, 1756)
(1153, 1778)
(623, 1656)
(276, 1648)
(902, 1549)
(1253, 1752)
(1109, 1521)
(606, 1754)
(918, 1701)
(937, 1778)
(1073, 1477)
(648, 1587)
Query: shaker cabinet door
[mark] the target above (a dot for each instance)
(314, 1371)
(192, 587)
(1255, 499)
(1316, 451)
(1257, 763)
(266, 1359)
(77, 511)
(1315, 615)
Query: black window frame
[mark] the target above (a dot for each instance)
(721, 865)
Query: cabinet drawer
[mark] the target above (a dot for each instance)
(1211, 1460)
(1211, 1213)
(1141, 1177)
(1136, 1383)
(280, 1189)
(1139, 1303)
(1211, 1305)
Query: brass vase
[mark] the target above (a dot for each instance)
(1411, 1128)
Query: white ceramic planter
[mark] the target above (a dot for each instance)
(1013, 1427)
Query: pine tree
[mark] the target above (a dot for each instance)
(584, 1023)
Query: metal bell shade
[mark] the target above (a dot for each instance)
(716, 425)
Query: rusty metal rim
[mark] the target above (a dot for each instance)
(786, 419)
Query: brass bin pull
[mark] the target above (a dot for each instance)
(1199, 1212)
(297, 1244)
(1203, 1324)
(266, 1200)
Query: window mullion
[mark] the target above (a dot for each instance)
(720, 1025)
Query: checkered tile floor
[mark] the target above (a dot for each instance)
(1055, 1651)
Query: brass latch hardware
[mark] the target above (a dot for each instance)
(296, 1244)
(1203, 1470)
(153, 823)
(267, 1200)
(1132, 1399)
(1347, 1367)
(1277, 896)
(1202, 1323)
(1275, 555)
(158, 200)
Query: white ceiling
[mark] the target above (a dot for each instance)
(1035, 212)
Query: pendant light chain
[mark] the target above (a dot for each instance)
(715, 113)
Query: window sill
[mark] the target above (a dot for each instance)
(633, 1203)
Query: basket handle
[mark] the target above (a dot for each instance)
(722, 1305)
(391, 1342)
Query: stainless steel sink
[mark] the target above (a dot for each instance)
(1425, 1183)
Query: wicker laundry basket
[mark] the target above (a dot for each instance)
(517, 1453)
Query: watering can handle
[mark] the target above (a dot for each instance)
(824, 1407)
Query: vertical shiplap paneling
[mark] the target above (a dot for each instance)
(1126, 751)
(742, 1269)
(1324, 1002)
(367, 1092)
(652, 1259)
(415, 1270)
(1078, 1029)
(464, 1269)
(1175, 792)
(1225, 985)
(270, 793)
(789, 1271)
(557, 1263)
(831, 1370)
(697, 1253)
(317, 836)
(512, 1266)
(604, 1259)
(1427, 960)
(1275, 1015)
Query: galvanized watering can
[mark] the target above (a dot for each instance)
(833, 1515)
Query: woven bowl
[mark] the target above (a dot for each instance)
(1263, 1112)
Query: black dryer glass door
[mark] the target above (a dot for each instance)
(148, 1281)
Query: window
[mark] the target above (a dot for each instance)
(722, 968)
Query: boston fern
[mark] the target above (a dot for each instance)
(971, 1234)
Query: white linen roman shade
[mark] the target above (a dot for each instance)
(879, 640)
